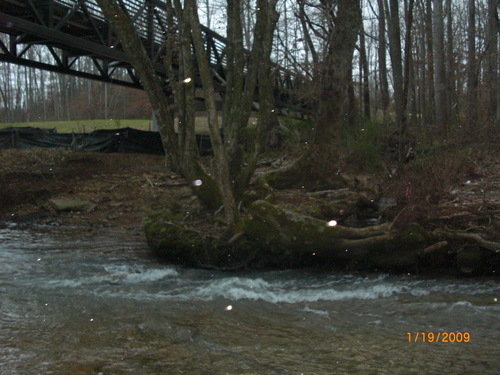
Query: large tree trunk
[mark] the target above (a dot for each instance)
(273, 236)
(141, 62)
(264, 30)
(430, 62)
(233, 122)
(492, 30)
(440, 86)
(364, 65)
(382, 60)
(187, 166)
(396, 62)
(319, 165)
(334, 84)
(450, 60)
(472, 81)
(221, 159)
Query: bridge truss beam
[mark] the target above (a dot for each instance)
(73, 30)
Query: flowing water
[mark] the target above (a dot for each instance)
(96, 303)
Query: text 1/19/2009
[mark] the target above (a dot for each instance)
(438, 337)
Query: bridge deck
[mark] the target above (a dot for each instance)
(72, 30)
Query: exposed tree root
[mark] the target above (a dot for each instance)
(489, 245)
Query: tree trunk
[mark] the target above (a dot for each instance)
(183, 88)
(450, 59)
(241, 83)
(366, 83)
(141, 62)
(321, 160)
(318, 166)
(335, 70)
(440, 86)
(492, 30)
(264, 30)
(397, 71)
(430, 62)
(291, 236)
(472, 80)
(408, 57)
(233, 98)
(221, 159)
(382, 60)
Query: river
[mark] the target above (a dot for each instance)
(97, 303)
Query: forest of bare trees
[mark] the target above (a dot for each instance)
(32, 95)
(436, 60)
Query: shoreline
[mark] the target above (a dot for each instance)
(125, 187)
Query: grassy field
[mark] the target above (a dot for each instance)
(86, 126)
(83, 126)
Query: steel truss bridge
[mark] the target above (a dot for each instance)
(72, 30)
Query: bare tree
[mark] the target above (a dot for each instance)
(338, 33)
(407, 57)
(161, 103)
(450, 59)
(365, 73)
(240, 86)
(430, 60)
(221, 160)
(392, 12)
(384, 85)
(440, 84)
(472, 81)
(492, 30)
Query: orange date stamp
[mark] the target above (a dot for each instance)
(438, 336)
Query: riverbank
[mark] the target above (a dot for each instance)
(117, 190)
(121, 186)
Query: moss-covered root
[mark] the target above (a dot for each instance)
(172, 240)
(270, 236)
(302, 236)
(168, 238)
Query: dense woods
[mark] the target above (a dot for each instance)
(433, 59)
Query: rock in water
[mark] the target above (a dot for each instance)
(69, 204)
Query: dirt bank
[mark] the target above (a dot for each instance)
(122, 186)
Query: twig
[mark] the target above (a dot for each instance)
(328, 192)
(435, 247)
(218, 210)
(397, 216)
(147, 178)
(235, 238)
